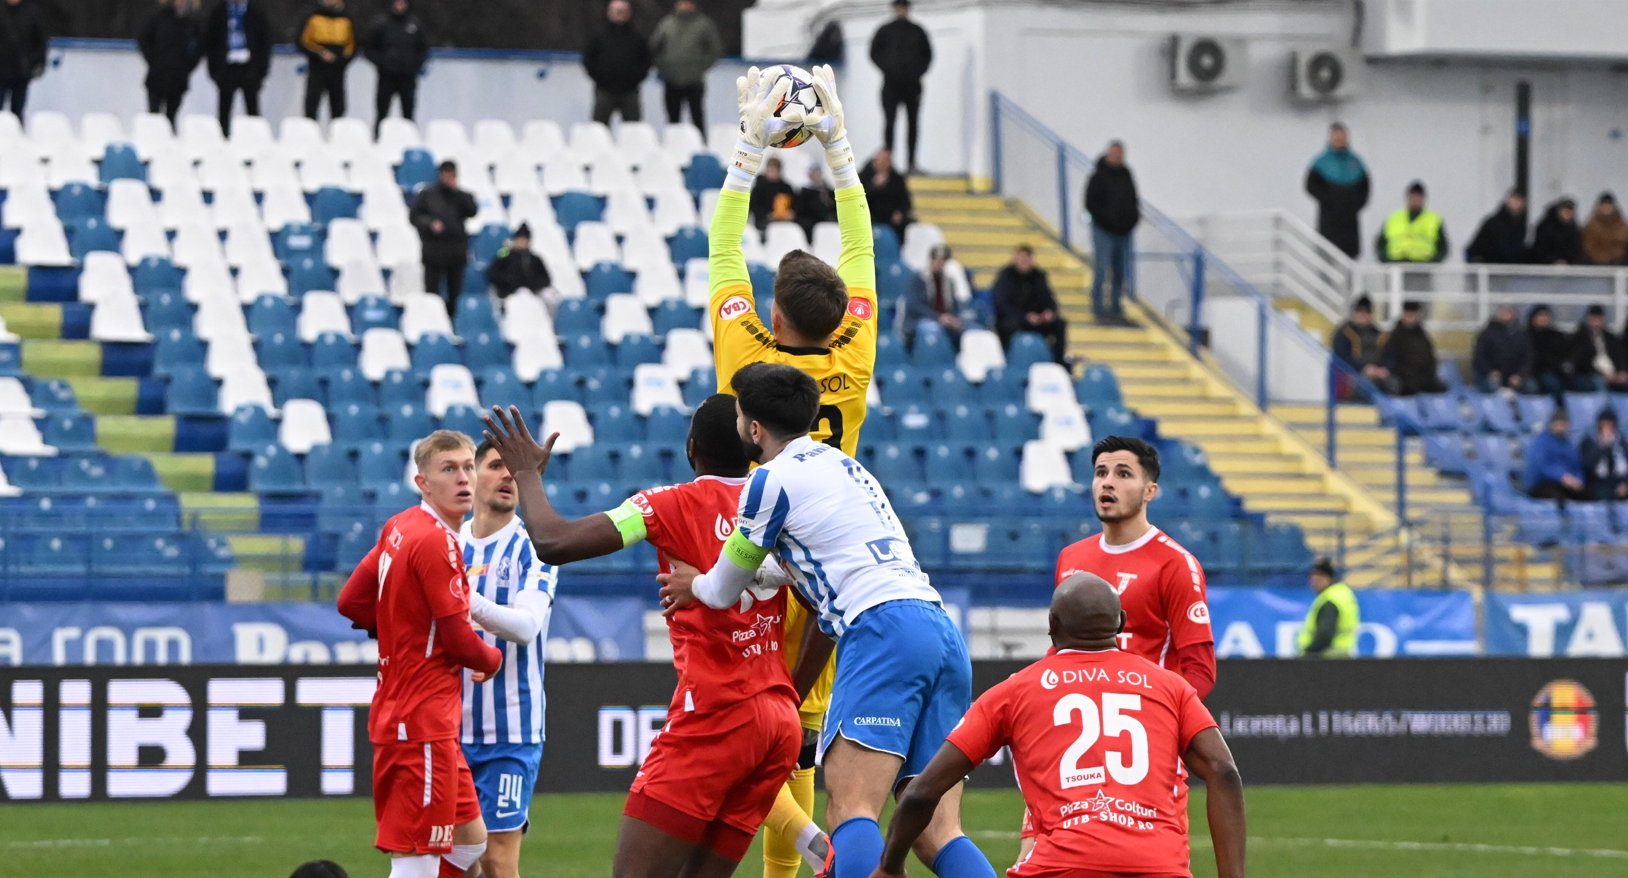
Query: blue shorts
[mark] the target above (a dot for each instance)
(504, 777)
(903, 682)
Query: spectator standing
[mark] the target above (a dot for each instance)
(1338, 181)
(683, 48)
(887, 193)
(439, 213)
(517, 268)
(1111, 200)
(237, 42)
(1409, 354)
(1551, 351)
(940, 295)
(617, 59)
(816, 202)
(1357, 343)
(773, 199)
(328, 41)
(902, 51)
(1330, 629)
(1554, 468)
(1414, 233)
(397, 46)
(22, 52)
(1024, 302)
(1598, 360)
(1557, 240)
(1605, 459)
(1501, 240)
(1503, 354)
(828, 47)
(1605, 238)
(172, 45)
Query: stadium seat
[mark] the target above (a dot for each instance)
(154, 275)
(407, 423)
(933, 349)
(502, 387)
(356, 424)
(588, 351)
(576, 317)
(616, 425)
(382, 350)
(654, 386)
(569, 420)
(332, 352)
(950, 389)
(70, 434)
(1097, 387)
(424, 313)
(279, 351)
(433, 350)
(476, 314)
(372, 312)
(244, 386)
(249, 429)
(704, 174)
(1066, 428)
(1043, 466)
(400, 387)
(450, 384)
(534, 355)
(304, 426)
(686, 244)
(552, 384)
(328, 465)
(465, 419)
(573, 208)
(273, 470)
(191, 392)
(269, 315)
(287, 384)
(1445, 452)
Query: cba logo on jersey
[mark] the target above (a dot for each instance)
(1199, 613)
(734, 306)
(859, 308)
(1564, 722)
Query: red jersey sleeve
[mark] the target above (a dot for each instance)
(1187, 611)
(359, 599)
(438, 566)
(650, 504)
(985, 729)
(1192, 716)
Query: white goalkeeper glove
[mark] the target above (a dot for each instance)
(830, 126)
(758, 96)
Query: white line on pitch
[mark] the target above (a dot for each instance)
(110, 842)
(1362, 844)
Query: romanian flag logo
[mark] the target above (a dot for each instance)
(1565, 721)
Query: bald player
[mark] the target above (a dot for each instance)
(1095, 733)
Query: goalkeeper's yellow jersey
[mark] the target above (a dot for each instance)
(844, 369)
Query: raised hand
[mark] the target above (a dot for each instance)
(508, 434)
(759, 96)
(827, 120)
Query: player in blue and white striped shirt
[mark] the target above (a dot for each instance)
(511, 596)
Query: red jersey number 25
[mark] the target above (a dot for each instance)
(1111, 721)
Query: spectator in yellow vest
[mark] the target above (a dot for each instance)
(1414, 233)
(1330, 629)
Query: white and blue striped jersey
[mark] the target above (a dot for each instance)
(834, 531)
(508, 709)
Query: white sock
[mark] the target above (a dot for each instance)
(805, 839)
(465, 855)
(426, 866)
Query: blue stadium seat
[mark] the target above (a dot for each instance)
(917, 424)
(11, 359)
(892, 279)
(1098, 387)
(1583, 409)
(167, 310)
(55, 396)
(465, 420)
(885, 243)
(1284, 549)
(390, 499)
(704, 173)
(348, 386)
(689, 243)
(86, 475)
(475, 315)
(762, 278)
(1445, 452)
(500, 386)
(1113, 421)
(1589, 523)
(895, 465)
(607, 387)
(329, 465)
(1207, 501)
(904, 385)
(177, 349)
(295, 240)
(154, 274)
(639, 464)
(949, 463)
(587, 351)
(372, 312)
(331, 203)
(53, 555)
(592, 463)
(577, 207)
(1494, 453)
(91, 235)
(607, 278)
(483, 245)
(1002, 386)
(933, 349)
(307, 273)
(1014, 424)
(697, 389)
(250, 429)
(890, 353)
(296, 383)
(417, 169)
(433, 349)
(485, 351)
(332, 352)
(951, 389)
(1493, 412)
(576, 317)
(79, 201)
(354, 546)
(673, 314)
(73, 434)
(120, 162)
(135, 474)
(406, 423)
(355, 424)
(616, 424)
(636, 350)
(34, 473)
(555, 384)
(272, 314)
(1025, 350)
(399, 388)
(1439, 411)
(379, 465)
(1534, 412)
(273, 470)
(1539, 523)
(191, 392)
(668, 427)
(280, 351)
(344, 510)
(995, 465)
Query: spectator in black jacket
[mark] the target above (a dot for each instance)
(1338, 181)
(773, 199)
(517, 268)
(1551, 351)
(1503, 354)
(397, 47)
(1024, 302)
(1557, 240)
(439, 213)
(887, 193)
(617, 60)
(237, 42)
(172, 45)
(1501, 240)
(328, 41)
(1598, 360)
(1357, 343)
(1111, 200)
(817, 202)
(902, 51)
(22, 52)
(1410, 355)
(1605, 459)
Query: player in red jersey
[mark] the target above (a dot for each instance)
(732, 734)
(411, 590)
(1098, 736)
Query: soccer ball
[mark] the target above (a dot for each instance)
(801, 94)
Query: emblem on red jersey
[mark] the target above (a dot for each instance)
(642, 503)
(860, 308)
(734, 306)
(1048, 679)
(723, 527)
(1199, 613)
(456, 586)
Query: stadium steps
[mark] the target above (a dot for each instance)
(13, 284)
(29, 320)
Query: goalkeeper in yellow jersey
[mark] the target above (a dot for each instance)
(824, 322)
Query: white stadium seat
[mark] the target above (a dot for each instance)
(980, 352)
(229, 207)
(151, 134)
(592, 140)
(321, 312)
(62, 168)
(624, 316)
(625, 211)
(659, 175)
(674, 210)
(298, 137)
(51, 132)
(249, 135)
(686, 350)
(348, 240)
(827, 242)
(543, 139)
(532, 207)
(247, 242)
(524, 315)
(709, 203)
(644, 250)
(567, 418)
(560, 177)
(450, 384)
(118, 318)
(14, 400)
(349, 138)
(697, 289)
(97, 130)
(919, 238)
(323, 168)
(658, 283)
(228, 355)
(406, 278)
(304, 426)
(653, 387)
(1044, 466)
(423, 314)
(494, 137)
(284, 205)
(398, 244)
(102, 275)
(359, 278)
(201, 137)
(245, 386)
(638, 142)
(1051, 388)
(43, 244)
(20, 437)
(209, 281)
(129, 203)
(609, 175)
(1066, 428)
(397, 135)
(780, 238)
(683, 139)
(381, 208)
(565, 275)
(382, 350)
(142, 240)
(27, 202)
(514, 173)
(259, 275)
(447, 140)
(7, 489)
(721, 137)
(222, 170)
(196, 244)
(595, 243)
(534, 353)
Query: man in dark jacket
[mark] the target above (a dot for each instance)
(1111, 200)
(397, 47)
(172, 45)
(1338, 181)
(237, 42)
(1598, 360)
(439, 213)
(902, 51)
(22, 52)
(328, 41)
(817, 202)
(940, 295)
(887, 194)
(1557, 240)
(1605, 459)
(1357, 343)
(683, 48)
(1503, 354)
(517, 268)
(1553, 467)
(1024, 302)
(1501, 240)
(1410, 355)
(773, 199)
(617, 60)
(1551, 351)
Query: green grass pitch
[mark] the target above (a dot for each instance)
(1574, 831)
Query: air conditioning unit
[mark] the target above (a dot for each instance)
(1325, 74)
(1201, 63)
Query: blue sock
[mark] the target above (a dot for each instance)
(962, 859)
(857, 844)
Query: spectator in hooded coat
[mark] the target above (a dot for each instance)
(1410, 355)
(1554, 468)
(22, 52)
(1338, 181)
(1501, 240)
(1598, 359)
(172, 46)
(617, 59)
(1551, 351)
(1557, 240)
(397, 47)
(1605, 459)
(1503, 353)
(237, 42)
(1115, 209)
(517, 268)
(902, 51)
(1605, 238)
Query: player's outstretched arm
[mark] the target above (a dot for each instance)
(359, 598)
(554, 538)
(758, 97)
(857, 266)
(1209, 758)
(520, 622)
(918, 803)
(721, 587)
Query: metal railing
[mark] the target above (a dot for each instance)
(1461, 297)
(1282, 256)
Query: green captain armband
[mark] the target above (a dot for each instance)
(629, 520)
(744, 553)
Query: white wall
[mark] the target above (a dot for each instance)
(1509, 28)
